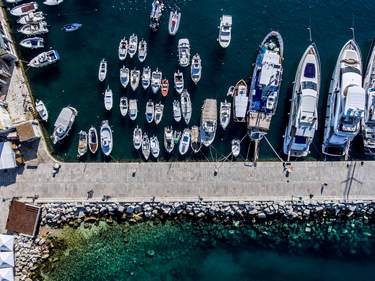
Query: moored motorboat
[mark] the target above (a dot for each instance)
(137, 138)
(124, 106)
(150, 111)
(179, 81)
(230, 91)
(44, 59)
(133, 45)
(176, 136)
(168, 139)
(177, 111)
(42, 110)
(63, 123)
(70, 27)
(135, 76)
(164, 87)
(24, 9)
(142, 50)
(93, 140)
(108, 99)
(133, 109)
(208, 121)
(156, 80)
(146, 146)
(31, 18)
(52, 2)
(225, 113)
(236, 147)
(102, 74)
(124, 76)
(156, 13)
(154, 147)
(183, 52)
(32, 43)
(225, 31)
(240, 101)
(82, 143)
(106, 139)
(184, 142)
(174, 22)
(123, 49)
(186, 106)
(195, 139)
(196, 68)
(146, 77)
(159, 108)
(34, 29)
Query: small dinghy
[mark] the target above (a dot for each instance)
(176, 136)
(133, 44)
(124, 106)
(159, 108)
(196, 68)
(236, 147)
(146, 77)
(30, 18)
(133, 109)
(195, 139)
(124, 76)
(24, 9)
(177, 111)
(156, 80)
(154, 147)
(42, 110)
(137, 138)
(225, 113)
(179, 81)
(82, 143)
(106, 140)
(150, 111)
(230, 91)
(52, 2)
(32, 43)
(102, 70)
(142, 50)
(123, 49)
(93, 140)
(146, 146)
(186, 106)
(184, 142)
(164, 87)
(70, 27)
(34, 29)
(174, 22)
(168, 139)
(135, 75)
(108, 99)
(44, 59)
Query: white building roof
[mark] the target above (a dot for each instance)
(6, 243)
(5, 121)
(7, 156)
(6, 274)
(6, 259)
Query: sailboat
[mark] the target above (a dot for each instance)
(174, 22)
(108, 99)
(106, 140)
(186, 106)
(93, 140)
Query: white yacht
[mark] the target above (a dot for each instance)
(303, 116)
(124, 106)
(240, 101)
(156, 77)
(108, 99)
(146, 77)
(106, 139)
(44, 59)
(137, 138)
(208, 121)
(124, 76)
(32, 43)
(177, 111)
(186, 106)
(154, 147)
(159, 108)
(346, 102)
(133, 45)
(146, 146)
(31, 18)
(102, 74)
(225, 114)
(168, 139)
(34, 28)
(142, 50)
(174, 22)
(184, 142)
(184, 52)
(133, 109)
(42, 110)
(123, 49)
(24, 9)
(135, 76)
(196, 68)
(179, 81)
(225, 31)
(64, 123)
(150, 111)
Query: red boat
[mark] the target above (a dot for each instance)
(164, 87)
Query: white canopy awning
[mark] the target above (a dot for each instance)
(6, 274)
(6, 243)
(6, 259)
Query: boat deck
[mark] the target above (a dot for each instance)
(209, 110)
(259, 120)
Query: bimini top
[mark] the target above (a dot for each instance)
(355, 101)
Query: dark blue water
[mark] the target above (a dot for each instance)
(74, 80)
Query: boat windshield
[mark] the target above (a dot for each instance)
(351, 69)
(309, 85)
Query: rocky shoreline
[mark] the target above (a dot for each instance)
(30, 252)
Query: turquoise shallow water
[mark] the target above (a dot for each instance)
(74, 80)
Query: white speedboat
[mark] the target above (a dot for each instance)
(133, 109)
(225, 113)
(133, 45)
(93, 140)
(156, 13)
(106, 139)
(159, 108)
(168, 139)
(236, 147)
(42, 110)
(64, 123)
(102, 74)
(225, 31)
(33, 29)
(195, 139)
(184, 142)
(240, 101)
(196, 68)
(142, 50)
(137, 138)
(108, 99)
(123, 49)
(135, 76)
(31, 18)
(150, 111)
(186, 106)
(208, 121)
(32, 43)
(146, 77)
(177, 111)
(156, 80)
(44, 59)
(154, 147)
(303, 116)
(179, 81)
(174, 22)
(124, 76)
(184, 52)
(346, 102)
(82, 143)
(124, 106)
(146, 146)
(52, 2)
(24, 9)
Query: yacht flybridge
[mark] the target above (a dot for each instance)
(346, 102)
